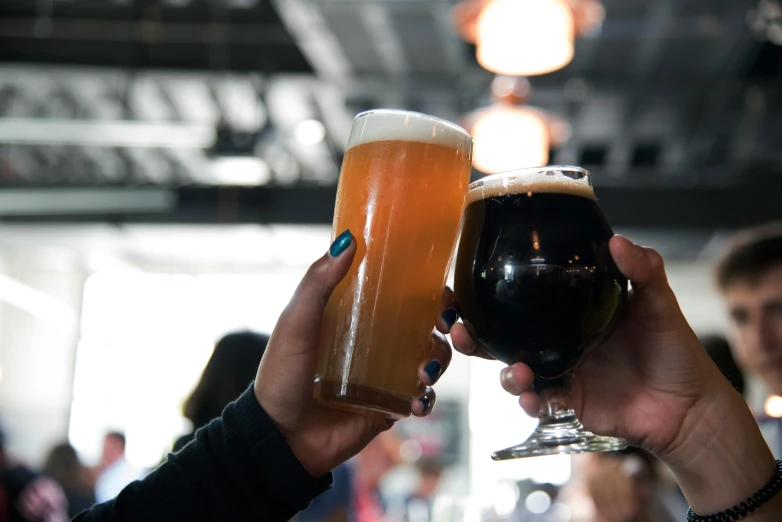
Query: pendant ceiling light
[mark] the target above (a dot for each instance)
(526, 37)
(508, 138)
(510, 134)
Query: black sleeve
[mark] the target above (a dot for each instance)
(238, 468)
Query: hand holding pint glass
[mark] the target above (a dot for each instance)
(401, 194)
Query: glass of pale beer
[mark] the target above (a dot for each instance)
(401, 193)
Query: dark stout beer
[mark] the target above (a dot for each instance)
(534, 275)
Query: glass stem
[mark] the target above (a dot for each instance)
(555, 406)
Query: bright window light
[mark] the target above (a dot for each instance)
(496, 422)
(35, 302)
(145, 340)
(506, 496)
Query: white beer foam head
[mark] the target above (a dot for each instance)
(573, 181)
(390, 124)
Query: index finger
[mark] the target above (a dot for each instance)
(448, 312)
(464, 343)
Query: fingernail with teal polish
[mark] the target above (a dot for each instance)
(427, 402)
(450, 316)
(433, 370)
(340, 244)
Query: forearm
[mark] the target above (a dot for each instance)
(238, 468)
(721, 458)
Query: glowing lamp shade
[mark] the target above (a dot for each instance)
(508, 138)
(525, 37)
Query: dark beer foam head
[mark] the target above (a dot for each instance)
(550, 180)
(389, 124)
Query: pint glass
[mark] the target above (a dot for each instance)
(401, 193)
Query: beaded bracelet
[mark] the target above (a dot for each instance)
(752, 503)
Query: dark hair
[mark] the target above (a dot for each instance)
(63, 465)
(229, 371)
(430, 466)
(2, 447)
(719, 350)
(117, 435)
(750, 254)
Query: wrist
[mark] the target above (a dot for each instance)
(306, 455)
(306, 452)
(719, 456)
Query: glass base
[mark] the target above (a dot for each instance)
(362, 399)
(560, 435)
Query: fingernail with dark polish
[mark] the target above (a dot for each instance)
(340, 244)
(433, 370)
(450, 316)
(427, 402)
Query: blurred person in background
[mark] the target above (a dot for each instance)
(419, 504)
(618, 487)
(750, 277)
(114, 471)
(229, 372)
(355, 496)
(371, 465)
(26, 496)
(63, 465)
(338, 503)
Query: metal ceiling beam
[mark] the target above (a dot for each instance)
(388, 46)
(453, 46)
(140, 31)
(732, 58)
(662, 208)
(86, 201)
(105, 133)
(656, 22)
(478, 81)
(304, 21)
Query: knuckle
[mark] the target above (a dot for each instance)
(317, 278)
(655, 259)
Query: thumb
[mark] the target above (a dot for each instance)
(285, 377)
(652, 295)
(298, 327)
